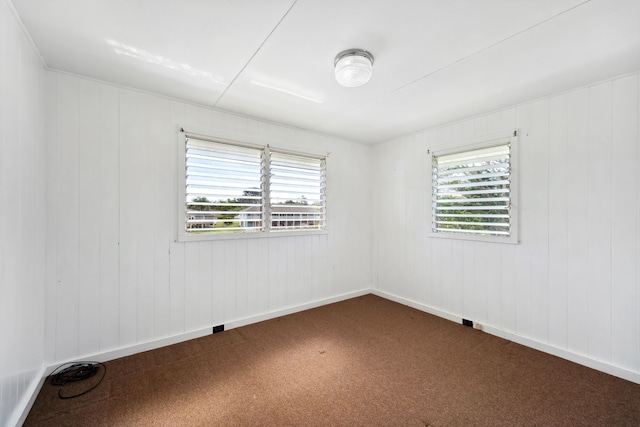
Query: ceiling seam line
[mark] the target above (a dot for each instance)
(256, 52)
(492, 45)
(461, 59)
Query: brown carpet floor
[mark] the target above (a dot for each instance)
(362, 362)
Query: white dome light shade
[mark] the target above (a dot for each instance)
(354, 67)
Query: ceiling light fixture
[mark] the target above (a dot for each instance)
(353, 67)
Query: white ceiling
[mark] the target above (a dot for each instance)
(436, 61)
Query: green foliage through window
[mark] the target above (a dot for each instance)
(232, 188)
(472, 192)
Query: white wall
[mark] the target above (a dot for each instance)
(573, 283)
(22, 216)
(115, 275)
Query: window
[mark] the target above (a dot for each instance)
(231, 189)
(473, 191)
(296, 192)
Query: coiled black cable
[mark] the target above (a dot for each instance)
(77, 371)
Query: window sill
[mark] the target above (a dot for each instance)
(256, 235)
(513, 240)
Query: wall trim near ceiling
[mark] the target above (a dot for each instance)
(536, 345)
(505, 108)
(17, 17)
(200, 105)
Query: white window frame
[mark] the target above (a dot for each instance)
(203, 135)
(500, 138)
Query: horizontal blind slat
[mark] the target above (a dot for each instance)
(472, 208)
(297, 186)
(220, 175)
(472, 215)
(503, 233)
(492, 224)
(501, 167)
(471, 191)
(474, 184)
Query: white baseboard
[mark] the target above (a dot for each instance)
(294, 309)
(133, 349)
(198, 333)
(417, 305)
(24, 406)
(23, 410)
(528, 342)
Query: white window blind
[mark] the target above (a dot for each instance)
(471, 192)
(224, 187)
(234, 188)
(296, 192)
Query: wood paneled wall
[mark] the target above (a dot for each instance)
(22, 216)
(117, 277)
(573, 282)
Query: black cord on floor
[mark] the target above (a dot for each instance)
(76, 371)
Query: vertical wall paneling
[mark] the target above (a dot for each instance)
(230, 280)
(115, 169)
(162, 139)
(508, 295)
(481, 266)
(217, 266)
(558, 221)
(480, 126)
(577, 220)
(433, 280)
(599, 217)
(624, 224)
(131, 149)
(488, 267)
(524, 251)
(305, 245)
(89, 216)
(638, 236)
(409, 228)
(571, 283)
(145, 231)
(23, 218)
(242, 279)
(469, 280)
(264, 273)
(203, 286)
(253, 277)
(177, 302)
(423, 215)
(66, 211)
(276, 272)
(10, 46)
(191, 286)
(314, 269)
(324, 268)
(51, 285)
(506, 300)
(108, 184)
(292, 270)
(539, 149)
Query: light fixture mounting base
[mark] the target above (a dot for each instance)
(353, 52)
